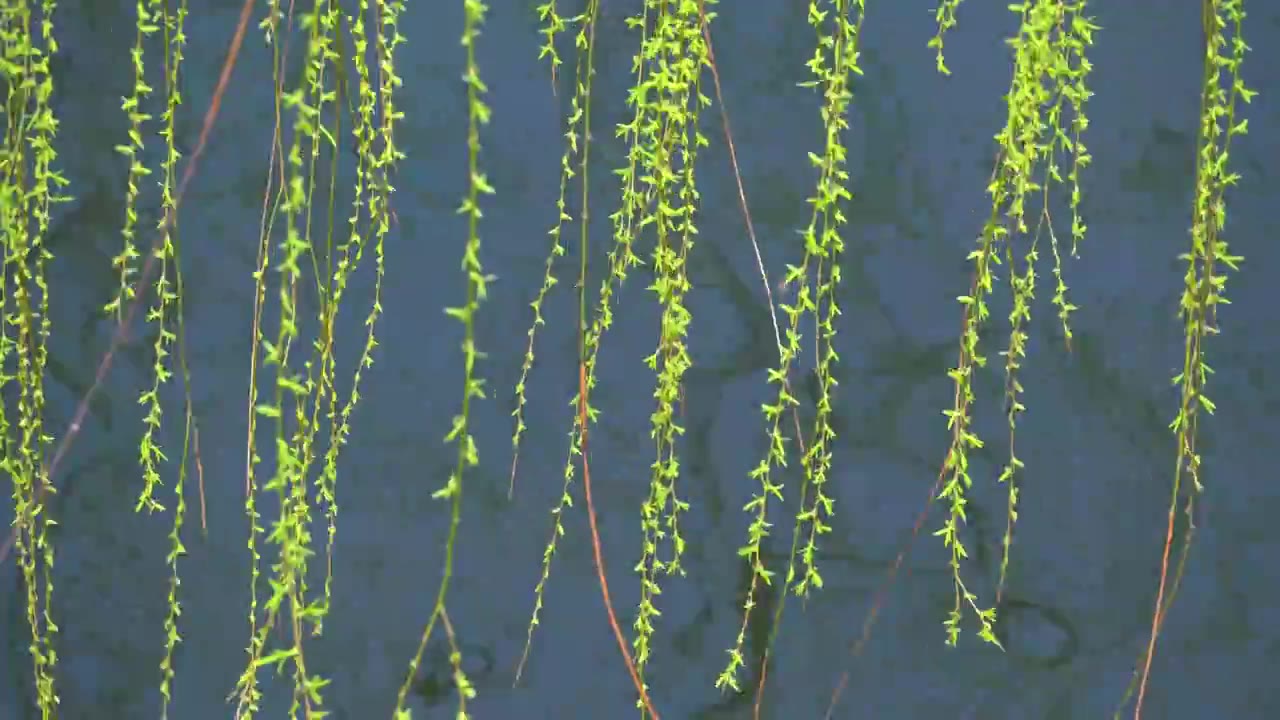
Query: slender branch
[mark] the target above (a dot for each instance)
(595, 548)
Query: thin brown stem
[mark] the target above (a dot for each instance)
(1157, 617)
(595, 548)
(204, 516)
(883, 592)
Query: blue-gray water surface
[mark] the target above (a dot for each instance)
(1098, 453)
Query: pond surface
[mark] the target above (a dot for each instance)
(1099, 456)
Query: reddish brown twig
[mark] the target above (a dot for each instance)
(204, 516)
(883, 592)
(595, 547)
(1156, 619)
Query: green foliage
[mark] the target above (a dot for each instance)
(348, 88)
(834, 63)
(247, 685)
(554, 26)
(324, 92)
(166, 311)
(946, 18)
(291, 531)
(473, 387)
(28, 189)
(167, 305)
(1050, 73)
(1203, 286)
(674, 53)
(575, 133)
